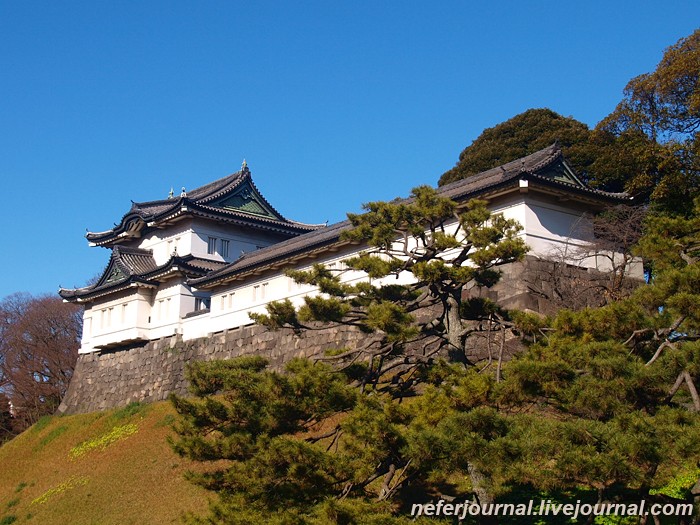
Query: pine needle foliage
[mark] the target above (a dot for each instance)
(601, 406)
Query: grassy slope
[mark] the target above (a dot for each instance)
(136, 479)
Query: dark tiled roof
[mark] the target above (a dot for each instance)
(530, 167)
(188, 265)
(281, 250)
(203, 264)
(198, 202)
(134, 261)
(499, 174)
(133, 266)
(124, 268)
(527, 167)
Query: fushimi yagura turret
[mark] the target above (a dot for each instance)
(143, 293)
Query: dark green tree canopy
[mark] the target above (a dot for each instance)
(648, 146)
(519, 136)
(601, 405)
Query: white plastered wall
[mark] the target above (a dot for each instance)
(122, 318)
(230, 306)
(550, 228)
(166, 308)
(240, 240)
(164, 242)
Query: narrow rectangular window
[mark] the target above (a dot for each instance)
(224, 247)
(109, 316)
(211, 245)
(255, 292)
(230, 300)
(263, 290)
(124, 313)
(167, 308)
(223, 301)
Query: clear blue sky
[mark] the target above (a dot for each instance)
(332, 103)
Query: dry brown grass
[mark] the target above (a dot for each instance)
(134, 480)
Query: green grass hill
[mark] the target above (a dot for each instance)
(112, 467)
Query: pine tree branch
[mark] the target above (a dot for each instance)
(693, 391)
(331, 433)
(659, 350)
(675, 387)
(385, 490)
(632, 339)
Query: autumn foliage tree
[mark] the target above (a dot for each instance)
(648, 146)
(657, 122)
(39, 341)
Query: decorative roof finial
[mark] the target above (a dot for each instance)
(244, 166)
(183, 193)
(171, 194)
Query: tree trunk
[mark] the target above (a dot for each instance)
(500, 354)
(482, 494)
(386, 486)
(693, 391)
(453, 328)
(695, 491)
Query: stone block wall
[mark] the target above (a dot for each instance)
(151, 372)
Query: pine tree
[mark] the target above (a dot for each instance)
(314, 443)
(600, 407)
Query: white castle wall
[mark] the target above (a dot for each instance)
(550, 228)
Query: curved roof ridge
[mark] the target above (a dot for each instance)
(142, 214)
(474, 186)
(308, 224)
(212, 190)
(530, 163)
(197, 193)
(136, 205)
(132, 250)
(549, 155)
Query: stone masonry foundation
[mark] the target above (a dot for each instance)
(151, 372)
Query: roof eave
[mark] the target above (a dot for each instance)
(306, 252)
(508, 186)
(92, 295)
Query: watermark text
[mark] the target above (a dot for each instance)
(550, 508)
